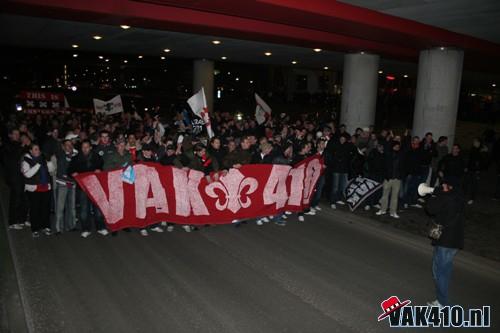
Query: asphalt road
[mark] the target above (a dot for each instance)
(327, 274)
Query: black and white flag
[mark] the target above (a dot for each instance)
(358, 190)
(110, 107)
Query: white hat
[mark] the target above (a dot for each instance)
(71, 136)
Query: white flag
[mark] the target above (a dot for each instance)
(262, 111)
(110, 107)
(198, 104)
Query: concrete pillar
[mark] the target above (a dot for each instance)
(203, 76)
(359, 90)
(438, 90)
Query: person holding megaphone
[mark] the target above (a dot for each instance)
(446, 206)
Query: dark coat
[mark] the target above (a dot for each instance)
(339, 157)
(207, 165)
(429, 151)
(476, 161)
(393, 165)
(170, 160)
(238, 156)
(447, 208)
(12, 156)
(358, 164)
(267, 159)
(85, 163)
(452, 166)
(376, 165)
(412, 162)
(217, 154)
(297, 158)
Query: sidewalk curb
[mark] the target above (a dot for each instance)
(14, 303)
(464, 258)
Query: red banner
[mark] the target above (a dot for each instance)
(164, 193)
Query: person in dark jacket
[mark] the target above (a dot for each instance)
(87, 161)
(376, 171)
(414, 173)
(358, 162)
(447, 207)
(147, 155)
(12, 156)
(429, 152)
(441, 151)
(302, 154)
(339, 161)
(392, 181)
(452, 167)
(475, 164)
(239, 157)
(318, 191)
(170, 158)
(204, 162)
(104, 147)
(216, 151)
(265, 155)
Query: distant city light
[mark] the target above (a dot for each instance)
(140, 57)
(162, 58)
(405, 76)
(74, 88)
(166, 50)
(219, 93)
(125, 61)
(251, 81)
(19, 107)
(239, 116)
(493, 85)
(325, 68)
(381, 72)
(75, 46)
(101, 57)
(216, 42)
(106, 60)
(223, 58)
(237, 79)
(268, 54)
(125, 27)
(442, 48)
(294, 62)
(97, 37)
(317, 50)
(75, 55)
(362, 52)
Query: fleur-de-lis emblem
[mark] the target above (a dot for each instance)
(235, 188)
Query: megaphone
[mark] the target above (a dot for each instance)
(423, 189)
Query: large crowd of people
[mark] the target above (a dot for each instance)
(41, 155)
